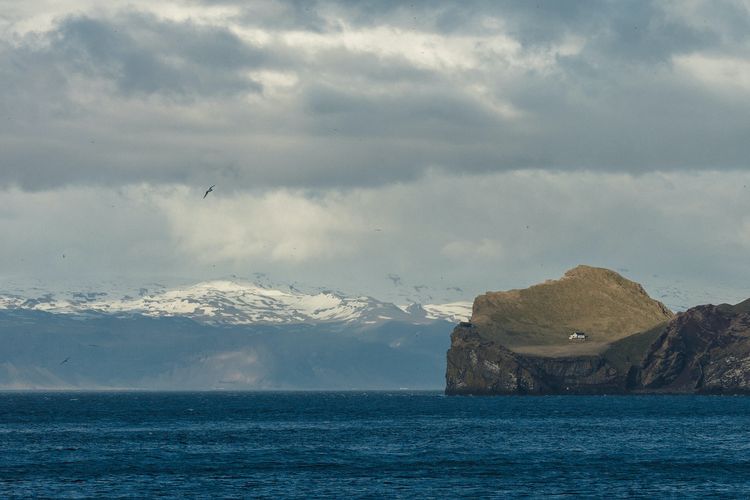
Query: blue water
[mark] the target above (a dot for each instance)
(370, 445)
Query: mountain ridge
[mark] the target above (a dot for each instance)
(238, 303)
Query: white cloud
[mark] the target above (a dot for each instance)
(720, 73)
(280, 226)
(476, 233)
(425, 50)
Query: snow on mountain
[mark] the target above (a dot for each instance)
(452, 311)
(234, 302)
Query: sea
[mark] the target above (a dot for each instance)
(397, 444)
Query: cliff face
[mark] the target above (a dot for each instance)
(703, 350)
(477, 366)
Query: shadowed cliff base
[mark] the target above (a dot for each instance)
(517, 342)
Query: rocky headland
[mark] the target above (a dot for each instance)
(517, 342)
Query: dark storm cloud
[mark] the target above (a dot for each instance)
(639, 31)
(616, 25)
(425, 114)
(338, 94)
(143, 55)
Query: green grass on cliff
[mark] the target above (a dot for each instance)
(599, 302)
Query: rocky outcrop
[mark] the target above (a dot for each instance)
(477, 366)
(703, 350)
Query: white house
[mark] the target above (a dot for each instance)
(577, 336)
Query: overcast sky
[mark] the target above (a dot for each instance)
(376, 146)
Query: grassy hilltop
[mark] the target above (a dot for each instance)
(537, 320)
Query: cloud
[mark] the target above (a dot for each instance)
(99, 231)
(280, 226)
(143, 55)
(337, 94)
(493, 144)
(723, 74)
(476, 233)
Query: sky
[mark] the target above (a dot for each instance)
(413, 151)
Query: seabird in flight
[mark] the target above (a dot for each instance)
(209, 190)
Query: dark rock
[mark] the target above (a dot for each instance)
(477, 366)
(705, 350)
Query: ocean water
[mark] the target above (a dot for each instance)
(371, 444)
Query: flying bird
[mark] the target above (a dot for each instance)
(64, 360)
(209, 190)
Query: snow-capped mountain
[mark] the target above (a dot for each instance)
(238, 303)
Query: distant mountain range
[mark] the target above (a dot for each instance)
(247, 334)
(229, 335)
(224, 302)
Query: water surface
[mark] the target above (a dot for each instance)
(349, 444)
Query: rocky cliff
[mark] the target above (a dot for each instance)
(704, 350)
(513, 345)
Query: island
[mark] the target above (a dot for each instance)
(595, 332)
